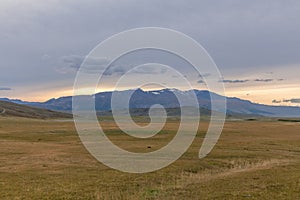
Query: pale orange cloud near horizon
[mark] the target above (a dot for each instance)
(258, 94)
(284, 85)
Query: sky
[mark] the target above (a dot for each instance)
(255, 44)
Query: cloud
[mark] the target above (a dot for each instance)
(248, 80)
(73, 63)
(204, 75)
(5, 89)
(294, 100)
(235, 81)
(90, 63)
(202, 82)
(150, 69)
(264, 80)
(276, 101)
(241, 36)
(116, 69)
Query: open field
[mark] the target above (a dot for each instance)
(44, 159)
(9, 109)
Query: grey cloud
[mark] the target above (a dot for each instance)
(225, 30)
(264, 80)
(247, 80)
(235, 81)
(202, 82)
(294, 100)
(89, 65)
(5, 89)
(241, 36)
(204, 75)
(116, 69)
(73, 63)
(150, 69)
(276, 101)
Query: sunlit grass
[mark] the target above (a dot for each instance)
(42, 159)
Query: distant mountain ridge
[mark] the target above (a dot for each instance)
(167, 98)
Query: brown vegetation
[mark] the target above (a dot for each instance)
(44, 159)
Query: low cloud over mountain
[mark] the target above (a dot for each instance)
(5, 89)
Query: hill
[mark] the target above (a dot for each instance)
(17, 110)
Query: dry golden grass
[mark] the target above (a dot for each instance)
(42, 159)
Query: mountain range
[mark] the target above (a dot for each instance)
(167, 97)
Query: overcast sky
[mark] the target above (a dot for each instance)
(256, 44)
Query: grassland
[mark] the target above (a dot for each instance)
(9, 109)
(44, 159)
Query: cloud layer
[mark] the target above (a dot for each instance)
(245, 38)
(5, 89)
(250, 80)
(293, 100)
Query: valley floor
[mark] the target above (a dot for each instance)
(44, 159)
